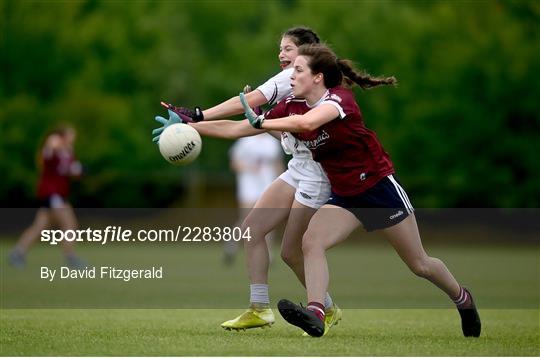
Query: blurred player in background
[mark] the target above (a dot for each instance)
(294, 196)
(324, 116)
(57, 164)
(256, 161)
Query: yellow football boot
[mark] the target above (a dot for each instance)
(332, 316)
(251, 318)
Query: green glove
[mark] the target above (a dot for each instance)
(173, 119)
(255, 120)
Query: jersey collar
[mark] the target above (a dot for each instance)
(319, 101)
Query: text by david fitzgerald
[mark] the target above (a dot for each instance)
(101, 272)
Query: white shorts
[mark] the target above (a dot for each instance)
(310, 181)
(54, 201)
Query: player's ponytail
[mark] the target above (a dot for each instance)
(362, 79)
(321, 59)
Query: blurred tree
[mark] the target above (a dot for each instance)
(462, 126)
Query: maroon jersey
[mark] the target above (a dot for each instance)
(55, 174)
(350, 153)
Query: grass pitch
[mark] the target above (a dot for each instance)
(387, 310)
(377, 332)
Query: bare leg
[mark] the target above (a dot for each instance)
(291, 246)
(271, 209)
(405, 239)
(66, 219)
(29, 236)
(230, 248)
(329, 226)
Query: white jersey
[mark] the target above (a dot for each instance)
(257, 157)
(277, 87)
(303, 173)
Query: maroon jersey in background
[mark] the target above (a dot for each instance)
(56, 172)
(350, 153)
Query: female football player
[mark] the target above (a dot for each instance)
(325, 118)
(58, 165)
(295, 195)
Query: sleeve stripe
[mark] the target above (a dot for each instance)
(274, 95)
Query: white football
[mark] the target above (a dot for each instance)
(180, 144)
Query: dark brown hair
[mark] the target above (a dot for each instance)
(321, 59)
(302, 35)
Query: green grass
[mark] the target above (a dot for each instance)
(405, 332)
(387, 310)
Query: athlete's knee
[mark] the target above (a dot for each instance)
(256, 230)
(66, 221)
(292, 257)
(311, 244)
(421, 266)
(69, 225)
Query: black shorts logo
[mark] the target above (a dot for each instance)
(305, 196)
(396, 215)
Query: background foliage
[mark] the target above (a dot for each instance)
(462, 127)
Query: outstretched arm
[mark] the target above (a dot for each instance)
(233, 106)
(303, 122)
(226, 129)
(296, 123)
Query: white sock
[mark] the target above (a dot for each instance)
(259, 293)
(328, 303)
